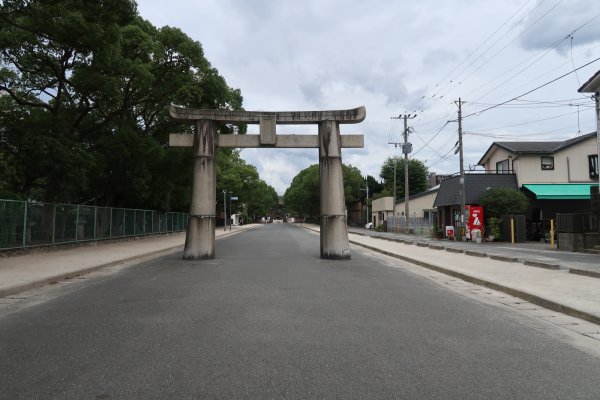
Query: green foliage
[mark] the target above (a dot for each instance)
(492, 227)
(436, 231)
(303, 196)
(353, 182)
(84, 118)
(237, 178)
(503, 201)
(375, 187)
(417, 176)
(384, 193)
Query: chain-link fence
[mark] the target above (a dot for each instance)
(26, 224)
(418, 225)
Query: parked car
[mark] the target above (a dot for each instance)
(369, 225)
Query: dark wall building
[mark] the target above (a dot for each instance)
(447, 200)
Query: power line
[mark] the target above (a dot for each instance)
(488, 38)
(433, 137)
(532, 90)
(524, 123)
(561, 132)
(505, 46)
(554, 46)
(428, 95)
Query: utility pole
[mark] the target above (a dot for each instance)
(462, 170)
(596, 97)
(230, 211)
(367, 190)
(406, 149)
(225, 208)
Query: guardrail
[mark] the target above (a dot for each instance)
(30, 224)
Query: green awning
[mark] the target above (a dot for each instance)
(560, 191)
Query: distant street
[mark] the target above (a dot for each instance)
(267, 319)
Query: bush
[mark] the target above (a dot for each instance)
(503, 201)
(493, 228)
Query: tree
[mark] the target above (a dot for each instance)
(303, 196)
(375, 187)
(237, 178)
(84, 115)
(503, 201)
(417, 176)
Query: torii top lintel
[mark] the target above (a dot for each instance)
(351, 116)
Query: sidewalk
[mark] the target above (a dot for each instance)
(38, 268)
(524, 275)
(532, 253)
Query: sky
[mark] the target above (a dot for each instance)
(397, 58)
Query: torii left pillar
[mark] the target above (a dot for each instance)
(200, 237)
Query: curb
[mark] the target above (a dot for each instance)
(9, 291)
(540, 301)
(475, 253)
(453, 250)
(541, 264)
(503, 258)
(584, 272)
(69, 275)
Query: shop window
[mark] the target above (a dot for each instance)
(547, 163)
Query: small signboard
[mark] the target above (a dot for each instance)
(234, 198)
(474, 222)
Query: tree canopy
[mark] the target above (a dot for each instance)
(83, 116)
(303, 197)
(503, 201)
(241, 180)
(417, 176)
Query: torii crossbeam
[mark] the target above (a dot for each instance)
(200, 237)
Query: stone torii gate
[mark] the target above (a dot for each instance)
(200, 237)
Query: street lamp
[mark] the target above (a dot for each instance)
(225, 209)
(230, 210)
(367, 190)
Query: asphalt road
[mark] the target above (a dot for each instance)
(269, 319)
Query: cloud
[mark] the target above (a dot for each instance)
(278, 167)
(439, 57)
(393, 57)
(546, 26)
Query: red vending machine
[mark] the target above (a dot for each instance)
(474, 223)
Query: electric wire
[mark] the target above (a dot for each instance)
(531, 91)
(523, 123)
(431, 98)
(554, 45)
(428, 95)
(505, 46)
(433, 137)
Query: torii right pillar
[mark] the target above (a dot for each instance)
(334, 229)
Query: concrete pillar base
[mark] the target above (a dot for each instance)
(200, 238)
(334, 238)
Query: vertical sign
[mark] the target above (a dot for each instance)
(474, 221)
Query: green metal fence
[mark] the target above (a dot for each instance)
(28, 224)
